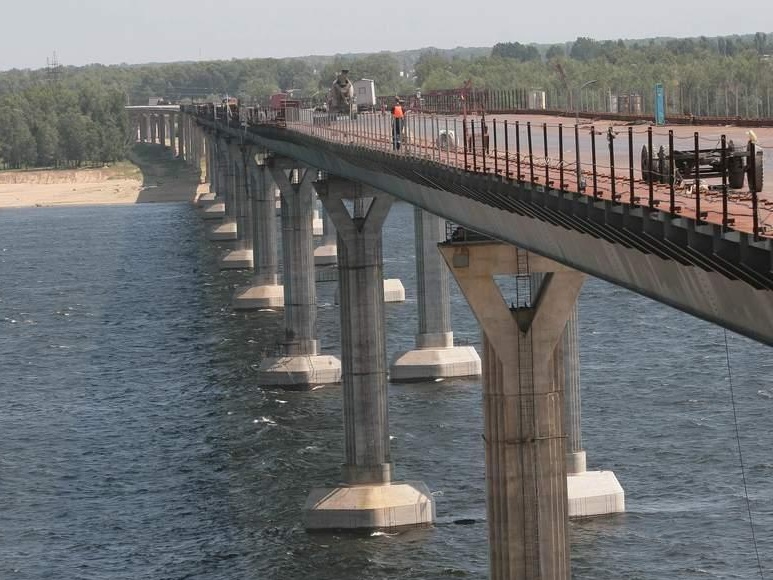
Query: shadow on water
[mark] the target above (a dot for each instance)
(165, 178)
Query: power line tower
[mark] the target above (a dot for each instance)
(53, 69)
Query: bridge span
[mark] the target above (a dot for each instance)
(530, 216)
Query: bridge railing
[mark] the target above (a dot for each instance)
(704, 177)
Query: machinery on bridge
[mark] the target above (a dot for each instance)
(341, 100)
(705, 163)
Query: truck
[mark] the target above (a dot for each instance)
(365, 95)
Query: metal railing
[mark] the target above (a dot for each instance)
(707, 178)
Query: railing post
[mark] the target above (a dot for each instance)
(507, 153)
(531, 152)
(593, 160)
(611, 139)
(474, 153)
(650, 176)
(630, 164)
(496, 163)
(483, 148)
(464, 136)
(752, 177)
(518, 151)
(671, 180)
(578, 169)
(561, 184)
(697, 178)
(547, 164)
(724, 182)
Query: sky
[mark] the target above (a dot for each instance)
(140, 31)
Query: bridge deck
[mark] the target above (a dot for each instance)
(545, 163)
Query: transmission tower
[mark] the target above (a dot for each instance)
(53, 69)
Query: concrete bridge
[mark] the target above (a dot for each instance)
(708, 256)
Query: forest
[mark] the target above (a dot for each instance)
(74, 115)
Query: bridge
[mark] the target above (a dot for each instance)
(524, 207)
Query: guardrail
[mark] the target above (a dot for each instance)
(708, 179)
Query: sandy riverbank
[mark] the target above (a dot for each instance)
(151, 176)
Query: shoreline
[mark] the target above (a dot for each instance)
(150, 176)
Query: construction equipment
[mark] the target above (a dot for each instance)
(341, 99)
(705, 163)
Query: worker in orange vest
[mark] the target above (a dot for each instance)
(398, 117)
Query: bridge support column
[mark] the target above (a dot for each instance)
(299, 365)
(435, 355)
(591, 493)
(368, 497)
(143, 121)
(264, 290)
(153, 128)
(325, 253)
(526, 482)
(226, 231)
(239, 258)
(206, 199)
(162, 129)
(181, 137)
(172, 140)
(216, 209)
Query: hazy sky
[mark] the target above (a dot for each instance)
(136, 31)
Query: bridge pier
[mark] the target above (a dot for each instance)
(526, 481)
(325, 253)
(143, 123)
(172, 141)
(264, 290)
(299, 365)
(435, 355)
(162, 129)
(153, 128)
(368, 497)
(224, 207)
(590, 493)
(240, 257)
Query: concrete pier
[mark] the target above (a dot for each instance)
(591, 493)
(368, 497)
(525, 447)
(298, 364)
(435, 355)
(264, 291)
(227, 229)
(326, 253)
(162, 129)
(240, 257)
(172, 132)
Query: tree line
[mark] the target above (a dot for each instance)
(48, 125)
(78, 116)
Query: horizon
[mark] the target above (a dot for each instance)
(146, 32)
(55, 53)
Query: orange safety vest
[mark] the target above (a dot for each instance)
(398, 112)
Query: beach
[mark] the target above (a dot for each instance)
(150, 175)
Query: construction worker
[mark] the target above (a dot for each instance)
(398, 117)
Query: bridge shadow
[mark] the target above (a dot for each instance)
(164, 177)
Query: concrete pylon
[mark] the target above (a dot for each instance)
(264, 290)
(435, 355)
(240, 257)
(299, 365)
(591, 493)
(523, 405)
(181, 137)
(368, 497)
(153, 128)
(143, 120)
(326, 253)
(172, 133)
(162, 129)
(226, 230)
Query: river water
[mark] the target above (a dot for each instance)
(135, 444)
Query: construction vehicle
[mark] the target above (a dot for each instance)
(705, 163)
(341, 99)
(365, 95)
